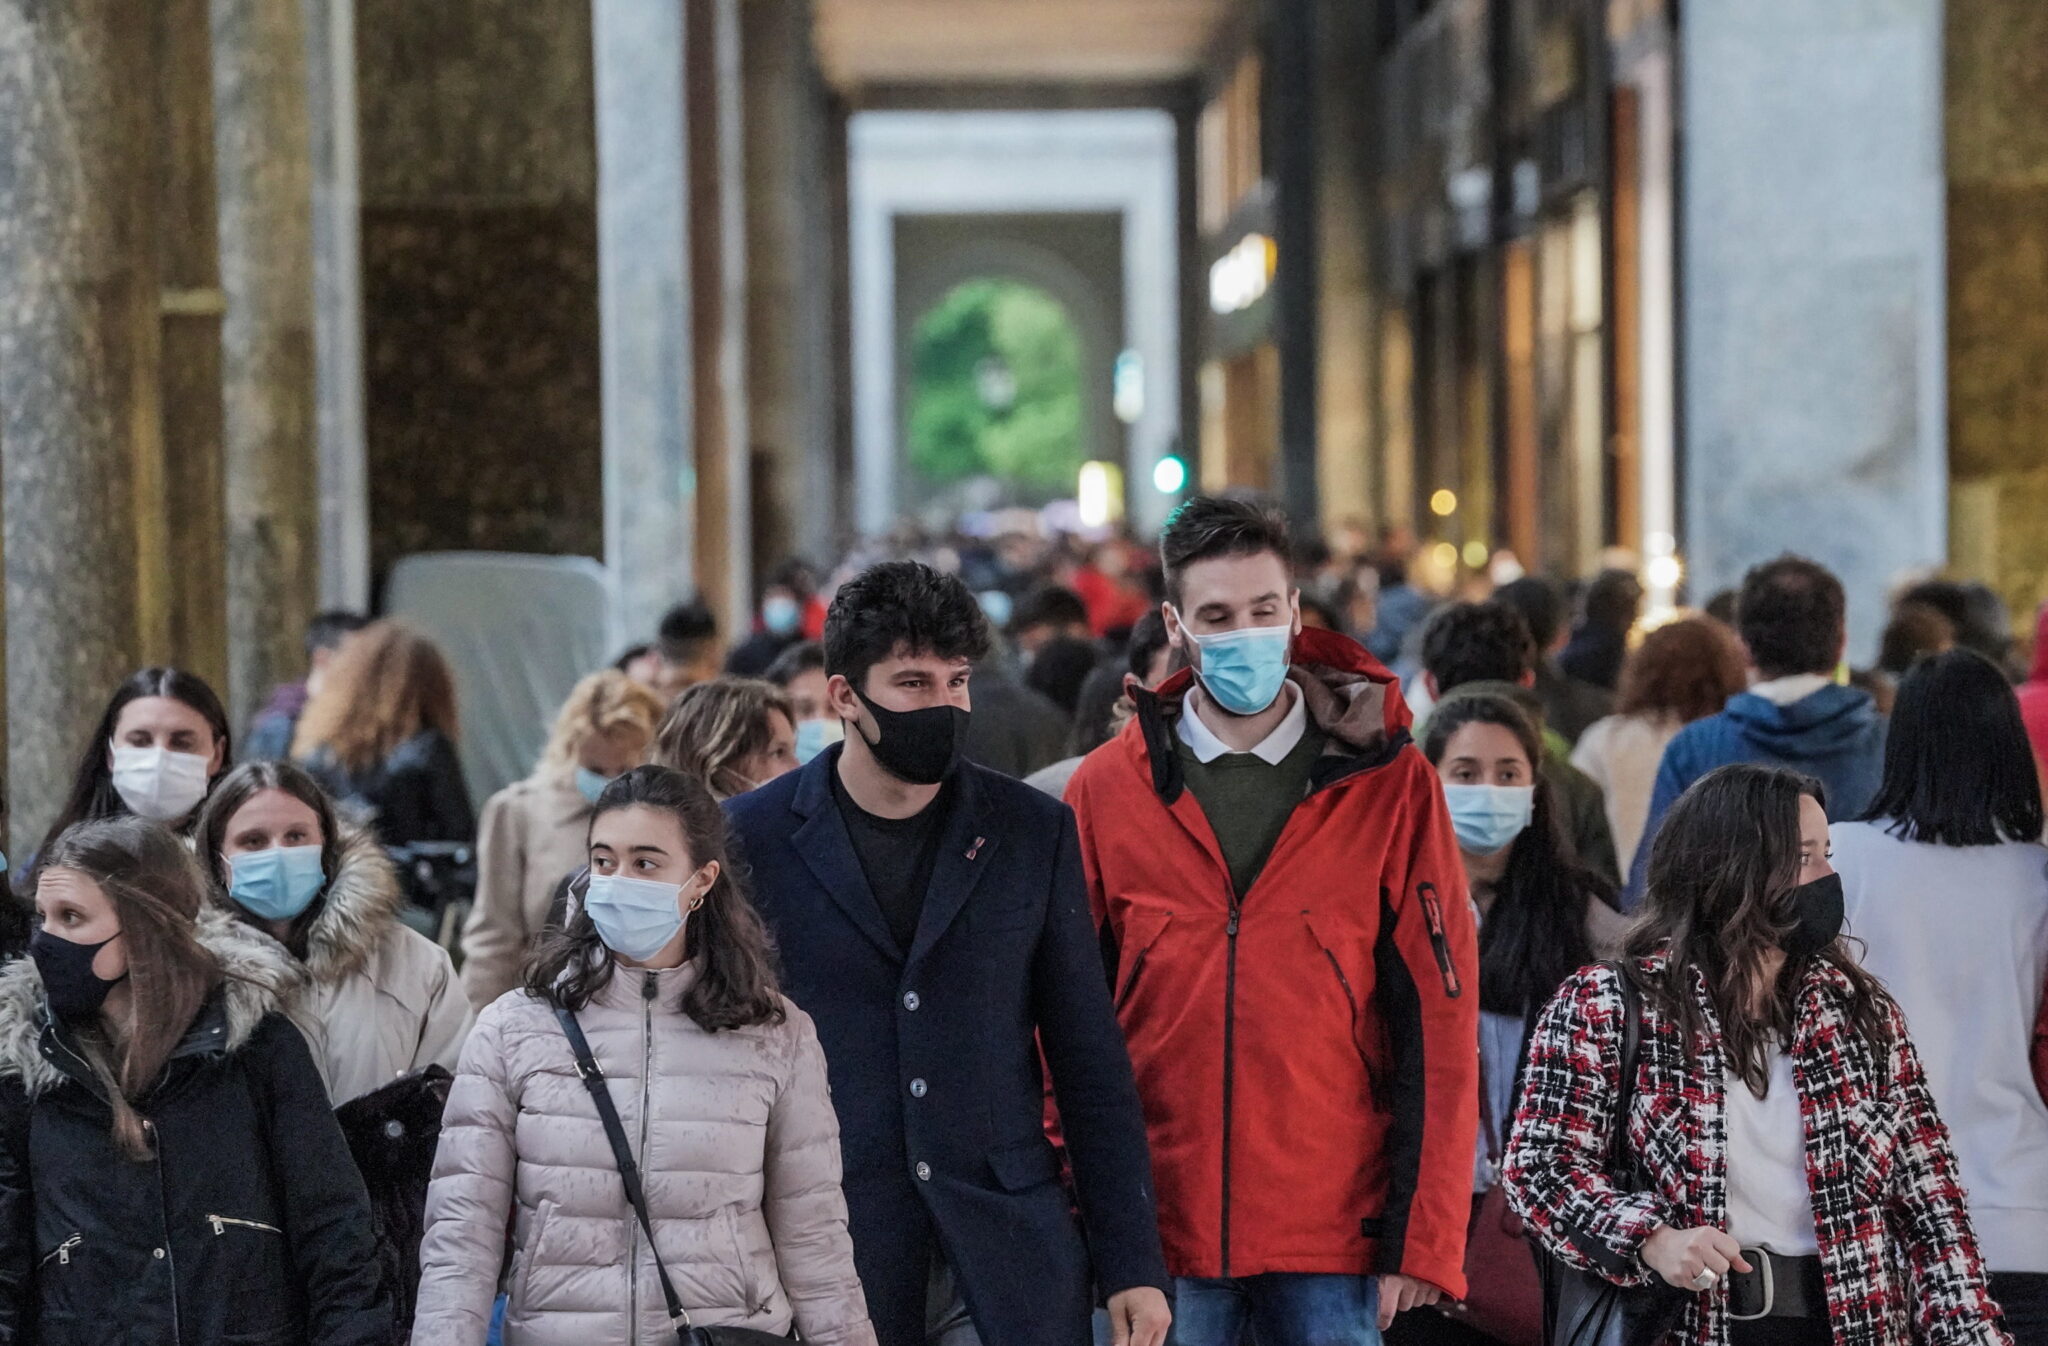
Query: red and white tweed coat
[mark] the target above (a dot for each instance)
(1896, 1246)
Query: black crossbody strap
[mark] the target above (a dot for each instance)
(1631, 1055)
(622, 1155)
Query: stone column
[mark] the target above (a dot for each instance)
(78, 315)
(265, 177)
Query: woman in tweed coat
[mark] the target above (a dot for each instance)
(1790, 1177)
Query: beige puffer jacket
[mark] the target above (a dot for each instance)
(738, 1147)
(374, 998)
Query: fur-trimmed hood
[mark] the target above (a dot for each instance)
(259, 978)
(356, 909)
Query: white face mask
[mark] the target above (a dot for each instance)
(158, 784)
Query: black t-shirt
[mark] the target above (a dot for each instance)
(896, 855)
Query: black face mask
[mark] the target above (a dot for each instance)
(1817, 913)
(919, 747)
(73, 989)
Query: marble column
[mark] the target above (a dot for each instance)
(266, 265)
(78, 317)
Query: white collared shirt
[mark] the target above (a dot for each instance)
(1272, 750)
(1785, 691)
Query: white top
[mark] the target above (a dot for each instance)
(1201, 740)
(1959, 934)
(1790, 690)
(1769, 1204)
(1622, 753)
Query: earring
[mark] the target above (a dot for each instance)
(696, 902)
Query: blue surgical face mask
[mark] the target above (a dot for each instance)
(634, 917)
(590, 784)
(781, 614)
(814, 736)
(277, 884)
(1488, 818)
(1244, 670)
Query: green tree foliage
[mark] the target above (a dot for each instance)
(1031, 439)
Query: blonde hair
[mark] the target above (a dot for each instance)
(603, 702)
(717, 724)
(387, 684)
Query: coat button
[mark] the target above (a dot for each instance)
(911, 1002)
(924, 1174)
(917, 1089)
(157, 1253)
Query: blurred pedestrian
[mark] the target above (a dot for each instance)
(1791, 1180)
(667, 980)
(534, 832)
(1059, 670)
(1978, 615)
(174, 1173)
(800, 673)
(1946, 887)
(734, 734)
(1048, 613)
(929, 914)
(161, 744)
(1914, 632)
(1683, 671)
(380, 738)
(2033, 693)
(778, 625)
(1793, 620)
(1569, 705)
(1105, 705)
(270, 734)
(1399, 612)
(686, 651)
(1600, 642)
(1277, 884)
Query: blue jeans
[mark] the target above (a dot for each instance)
(1283, 1308)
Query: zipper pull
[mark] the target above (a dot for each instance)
(1439, 939)
(1231, 929)
(64, 1249)
(651, 987)
(220, 1227)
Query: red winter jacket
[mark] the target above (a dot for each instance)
(1308, 1052)
(2033, 693)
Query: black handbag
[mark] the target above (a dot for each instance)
(1584, 1308)
(629, 1174)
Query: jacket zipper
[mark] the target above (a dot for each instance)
(1131, 983)
(62, 1252)
(1229, 1060)
(156, 1146)
(1372, 1081)
(650, 987)
(220, 1225)
(1439, 941)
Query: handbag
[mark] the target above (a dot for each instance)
(687, 1334)
(1584, 1308)
(392, 1132)
(1504, 1298)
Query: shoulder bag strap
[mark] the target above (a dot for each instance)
(622, 1155)
(1631, 1057)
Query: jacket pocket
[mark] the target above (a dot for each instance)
(61, 1254)
(1021, 1167)
(1357, 1011)
(520, 1286)
(743, 1265)
(1145, 927)
(223, 1223)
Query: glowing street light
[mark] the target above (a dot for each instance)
(1444, 504)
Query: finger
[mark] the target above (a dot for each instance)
(1713, 1260)
(1120, 1324)
(1388, 1295)
(1725, 1244)
(1154, 1331)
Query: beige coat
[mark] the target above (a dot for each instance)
(374, 998)
(737, 1144)
(533, 835)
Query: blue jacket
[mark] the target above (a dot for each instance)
(934, 1058)
(1835, 735)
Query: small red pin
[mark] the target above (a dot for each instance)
(975, 849)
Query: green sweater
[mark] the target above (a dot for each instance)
(1248, 802)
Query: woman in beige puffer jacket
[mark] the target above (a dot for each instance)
(718, 1080)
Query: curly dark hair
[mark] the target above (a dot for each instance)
(737, 986)
(899, 609)
(1206, 527)
(1477, 642)
(1685, 669)
(1792, 614)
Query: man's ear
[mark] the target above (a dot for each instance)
(1429, 682)
(1528, 678)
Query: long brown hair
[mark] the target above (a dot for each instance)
(237, 788)
(715, 726)
(1686, 670)
(157, 890)
(1722, 872)
(387, 684)
(736, 983)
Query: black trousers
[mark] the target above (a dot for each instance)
(2024, 1297)
(1781, 1332)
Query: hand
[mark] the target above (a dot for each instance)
(1398, 1294)
(1139, 1317)
(1680, 1255)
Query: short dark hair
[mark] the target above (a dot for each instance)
(1721, 607)
(685, 629)
(1958, 767)
(1059, 669)
(1915, 631)
(1049, 605)
(328, 629)
(1205, 527)
(1148, 638)
(1613, 600)
(1791, 615)
(806, 656)
(1477, 642)
(1540, 604)
(1974, 609)
(901, 606)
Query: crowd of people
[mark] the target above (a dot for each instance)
(1022, 942)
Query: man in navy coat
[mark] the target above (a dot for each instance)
(933, 919)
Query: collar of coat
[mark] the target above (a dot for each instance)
(258, 976)
(1351, 697)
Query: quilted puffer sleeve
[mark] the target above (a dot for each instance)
(803, 1204)
(1555, 1169)
(470, 1199)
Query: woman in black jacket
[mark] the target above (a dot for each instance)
(169, 1169)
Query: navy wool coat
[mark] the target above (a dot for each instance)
(934, 1058)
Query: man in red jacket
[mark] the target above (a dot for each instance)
(1294, 958)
